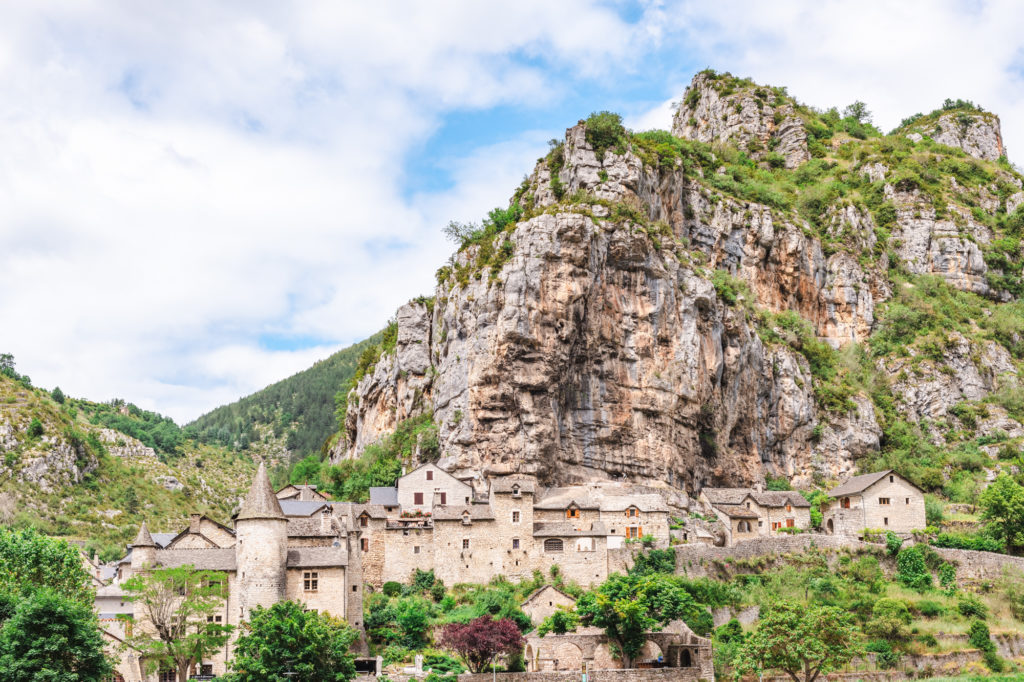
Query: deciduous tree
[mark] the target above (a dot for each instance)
(29, 561)
(1002, 503)
(804, 641)
(178, 607)
(313, 646)
(481, 640)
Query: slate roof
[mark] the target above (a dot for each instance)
(645, 503)
(261, 502)
(384, 496)
(561, 498)
(595, 498)
(164, 539)
(143, 539)
(317, 557)
(859, 484)
(375, 511)
(536, 592)
(309, 527)
(219, 559)
(301, 507)
(767, 498)
(505, 484)
(737, 511)
(453, 512)
(565, 529)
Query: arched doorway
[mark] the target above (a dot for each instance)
(830, 527)
(685, 660)
(568, 656)
(531, 659)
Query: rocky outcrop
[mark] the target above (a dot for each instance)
(754, 118)
(977, 133)
(602, 349)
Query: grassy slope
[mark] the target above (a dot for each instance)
(106, 507)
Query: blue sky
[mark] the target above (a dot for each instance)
(198, 199)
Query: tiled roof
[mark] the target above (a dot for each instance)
(454, 512)
(566, 529)
(645, 503)
(261, 502)
(737, 511)
(301, 507)
(504, 484)
(859, 484)
(618, 498)
(317, 557)
(218, 559)
(561, 498)
(767, 498)
(726, 495)
(384, 496)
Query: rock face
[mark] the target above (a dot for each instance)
(754, 118)
(632, 329)
(599, 352)
(977, 133)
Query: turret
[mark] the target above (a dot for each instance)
(143, 550)
(261, 531)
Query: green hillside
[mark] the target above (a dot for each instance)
(299, 409)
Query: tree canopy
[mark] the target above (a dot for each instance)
(29, 561)
(285, 638)
(1002, 504)
(180, 604)
(481, 640)
(803, 641)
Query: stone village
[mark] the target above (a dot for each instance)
(296, 544)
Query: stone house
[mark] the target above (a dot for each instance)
(513, 531)
(268, 556)
(544, 601)
(883, 500)
(304, 493)
(675, 646)
(429, 484)
(749, 513)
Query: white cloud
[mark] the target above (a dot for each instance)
(181, 179)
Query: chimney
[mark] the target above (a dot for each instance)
(759, 487)
(325, 519)
(193, 523)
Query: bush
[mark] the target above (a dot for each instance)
(947, 576)
(885, 657)
(971, 607)
(930, 609)
(933, 510)
(975, 541)
(911, 570)
(889, 620)
(893, 543)
(392, 588)
(604, 130)
(35, 428)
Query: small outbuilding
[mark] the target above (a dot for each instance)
(544, 601)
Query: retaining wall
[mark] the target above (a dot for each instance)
(632, 675)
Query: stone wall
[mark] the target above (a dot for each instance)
(632, 675)
(695, 559)
(972, 565)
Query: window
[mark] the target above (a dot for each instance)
(632, 512)
(430, 475)
(364, 521)
(885, 521)
(416, 549)
(444, 498)
(364, 544)
(515, 543)
(845, 503)
(168, 676)
(883, 500)
(789, 523)
(908, 500)
(776, 525)
(789, 507)
(417, 498)
(572, 513)
(310, 580)
(633, 532)
(515, 516)
(890, 479)
(515, 491)
(465, 543)
(214, 619)
(748, 505)
(553, 545)
(206, 669)
(743, 527)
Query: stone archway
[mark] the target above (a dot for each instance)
(649, 655)
(531, 659)
(567, 656)
(603, 659)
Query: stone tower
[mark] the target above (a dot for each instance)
(143, 550)
(261, 549)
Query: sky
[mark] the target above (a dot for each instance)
(200, 198)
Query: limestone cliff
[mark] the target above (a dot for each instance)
(630, 323)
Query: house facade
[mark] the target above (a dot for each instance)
(882, 500)
(267, 557)
(749, 513)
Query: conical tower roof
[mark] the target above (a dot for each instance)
(143, 539)
(261, 502)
